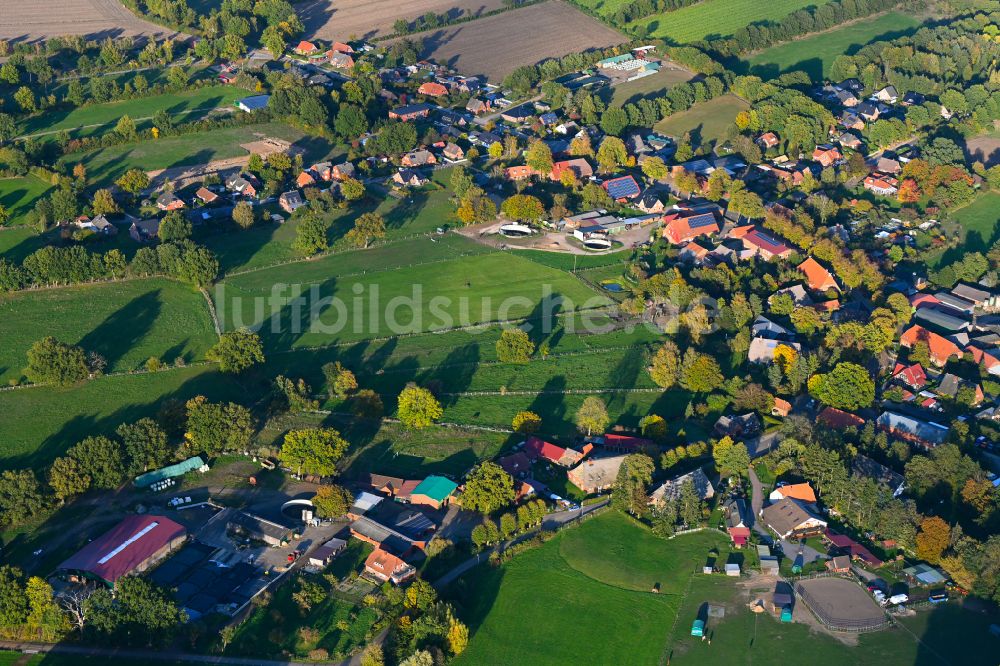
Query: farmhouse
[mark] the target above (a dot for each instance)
(622, 188)
(169, 201)
(827, 156)
(434, 491)
(680, 230)
(536, 448)
(399, 489)
(392, 525)
(342, 171)
(305, 48)
(340, 60)
(132, 546)
(432, 89)
(911, 375)
(144, 231)
(671, 489)
(386, 567)
(737, 426)
(578, 166)
(596, 474)
(765, 246)
(839, 419)
(417, 158)
(789, 520)
(881, 184)
(242, 185)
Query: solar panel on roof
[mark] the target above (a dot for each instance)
(703, 220)
(620, 188)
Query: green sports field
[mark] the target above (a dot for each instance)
(815, 55)
(186, 106)
(125, 322)
(707, 122)
(18, 196)
(582, 598)
(716, 18)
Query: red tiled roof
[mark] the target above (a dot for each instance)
(539, 448)
(836, 418)
(920, 299)
(124, 547)
(433, 89)
(626, 441)
(941, 348)
(913, 375)
(817, 277)
(766, 242)
(855, 549)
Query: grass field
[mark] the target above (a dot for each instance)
(125, 322)
(707, 122)
(106, 164)
(18, 196)
(979, 219)
(40, 423)
(815, 55)
(190, 104)
(451, 291)
(648, 86)
(716, 18)
(582, 598)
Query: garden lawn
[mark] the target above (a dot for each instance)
(715, 18)
(979, 219)
(182, 107)
(106, 164)
(441, 291)
(40, 423)
(18, 196)
(815, 55)
(707, 122)
(654, 85)
(584, 597)
(125, 322)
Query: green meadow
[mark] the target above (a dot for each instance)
(716, 18)
(706, 122)
(18, 196)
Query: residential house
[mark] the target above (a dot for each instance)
(517, 464)
(305, 48)
(408, 178)
(839, 564)
(800, 297)
(434, 491)
(762, 327)
(671, 489)
(738, 426)
(867, 111)
(925, 433)
(880, 184)
(340, 60)
(394, 487)
(386, 567)
(453, 152)
(850, 120)
(679, 230)
(912, 99)
(650, 202)
(596, 474)
(98, 225)
(253, 103)
(838, 419)
(849, 140)
(206, 195)
(169, 201)
(887, 165)
(291, 201)
(432, 89)
(768, 140)
(517, 114)
(951, 384)
(478, 106)
(817, 277)
(341, 47)
(801, 492)
(738, 521)
(519, 172)
(762, 349)
(622, 443)
(418, 158)
(144, 231)
(789, 520)
(911, 375)
(242, 185)
(305, 179)
(764, 245)
(827, 156)
(781, 407)
(879, 473)
(342, 172)
(941, 348)
(622, 188)
(693, 253)
(410, 112)
(579, 167)
(887, 95)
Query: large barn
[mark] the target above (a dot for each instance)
(132, 546)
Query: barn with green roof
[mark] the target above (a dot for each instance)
(434, 491)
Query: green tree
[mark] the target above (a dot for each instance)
(614, 120)
(488, 488)
(700, 373)
(133, 181)
(26, 99)
(730, 458)
(523, 207)
(339, 379)
(539, 157)
(655, 169)
(67, 478)
(368, 228)
(54, 362)
(332, 501)
(665, 366)
(612, 153)
(592, 416)
(366, 404)
(102, 459)
(243, 215)
(174, 227)
(215, 428)
(297, 394)
(526, 422)
(629, 492)
(13, 598)
(137, 608)
(417, 407)
(237, 351)
(20, 497)
(125, 128)
(311, 236)
(313, 450)
(514, 346)
(848, 386)
(352, 189)
(104, 203)
(146, 445)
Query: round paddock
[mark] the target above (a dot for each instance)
(841, 604)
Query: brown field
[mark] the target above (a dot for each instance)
(984, 148)
(497, 45)
(340, 19)
(30, 20)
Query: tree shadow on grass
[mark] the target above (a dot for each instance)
(125, 328)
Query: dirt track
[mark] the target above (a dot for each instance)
(365, 19)
(499, 44)
(30, 20)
